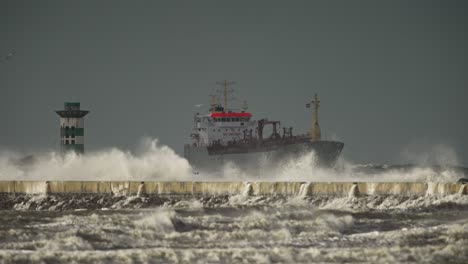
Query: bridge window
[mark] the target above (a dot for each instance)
(223, 119)
(66, 142)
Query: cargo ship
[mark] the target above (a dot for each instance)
(225, 136)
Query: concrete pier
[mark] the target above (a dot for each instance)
(133, 188)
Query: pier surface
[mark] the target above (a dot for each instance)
(129, 188)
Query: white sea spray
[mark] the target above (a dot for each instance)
(153, 162)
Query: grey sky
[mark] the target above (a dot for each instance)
(392, 76)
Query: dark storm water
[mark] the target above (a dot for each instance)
(234, 229)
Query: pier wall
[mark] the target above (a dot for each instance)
(128, 188)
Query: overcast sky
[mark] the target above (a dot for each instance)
(391, 75)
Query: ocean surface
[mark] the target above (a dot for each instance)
(226, 229)
(233, 229)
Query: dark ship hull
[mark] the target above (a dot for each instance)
(252, 156)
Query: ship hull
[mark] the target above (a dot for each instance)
(202, 159)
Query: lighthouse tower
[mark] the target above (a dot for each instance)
(72, 127)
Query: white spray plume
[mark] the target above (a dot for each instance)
(305, 169)
(155, 162)
(160, 163)
(426, 154)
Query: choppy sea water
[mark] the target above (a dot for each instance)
(236, 229)
(227, 229)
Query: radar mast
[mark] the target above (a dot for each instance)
(227, 90)
(315, 131)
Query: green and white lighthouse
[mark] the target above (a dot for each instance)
(72, 127)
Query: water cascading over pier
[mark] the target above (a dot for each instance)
(187, 188)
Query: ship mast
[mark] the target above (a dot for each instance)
(226, 91)
(213, 103)
(315, 133)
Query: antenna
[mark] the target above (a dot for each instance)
(227, 90)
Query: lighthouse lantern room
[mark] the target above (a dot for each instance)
(72, 127)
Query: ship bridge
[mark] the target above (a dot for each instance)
(231, 116)
(222, 127)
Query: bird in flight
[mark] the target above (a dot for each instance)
(9, 55)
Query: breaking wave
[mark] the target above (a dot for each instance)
(305, 169)
(160, 163)
(70, 202)
(154, 162)
(258, 229)
(243, 228)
